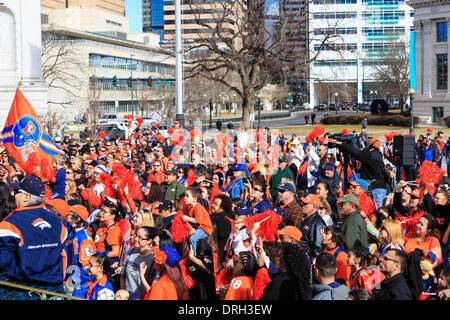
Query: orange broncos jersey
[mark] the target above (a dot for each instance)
(241, 288)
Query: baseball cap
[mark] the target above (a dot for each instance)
(291, 231)
(100, 169)
(81, 211)
(165, 204)
(93, 163)
(285, 186)
(311, 198)
(30, 184)
(330, 166)
(350, 198)
(238, 167)
(171, 171)
(416, 193)
(283, 159)
(361, 182)
(60, 205)
(375, 142)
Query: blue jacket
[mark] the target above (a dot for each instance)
(33, 245)
(254, 209)
(235, 188)
(59, 186)
(103, 290)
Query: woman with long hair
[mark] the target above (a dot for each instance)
(359, 259)
(71, 187)
(293, 281)
(390, 237)
(325, 212)
(131, 274)
(324, 191)
(258, 201)
(170, 285)
(424, 238)
(152, 197)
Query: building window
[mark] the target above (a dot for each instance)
(438, 114)
(441, 32)
(441, 70)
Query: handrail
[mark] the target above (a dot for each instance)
(41, 292)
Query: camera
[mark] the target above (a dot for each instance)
(344, 138)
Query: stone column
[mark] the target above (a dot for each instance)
(448, 54)
(427, 67)
(419, 57)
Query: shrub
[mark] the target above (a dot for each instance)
(383, 119)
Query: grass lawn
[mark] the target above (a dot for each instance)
(373, 131)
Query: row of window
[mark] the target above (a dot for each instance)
(380, 47)
(96, 60)
(383, 31)
(383, 15)
(335, 15)
(125, 84)
(110, 106)
(320, 31)
(337, 47)
(335, 63)
(335, 1)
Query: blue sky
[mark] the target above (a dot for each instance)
(133, 11)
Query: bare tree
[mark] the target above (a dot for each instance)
(60, 68)
(391, 71)
(242, 51)
(94, 103)
(52, 121)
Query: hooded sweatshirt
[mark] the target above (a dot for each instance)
(332, 291)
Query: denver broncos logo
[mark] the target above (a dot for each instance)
(40, 223)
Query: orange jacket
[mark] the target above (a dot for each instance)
(199, 213)
(163, 289)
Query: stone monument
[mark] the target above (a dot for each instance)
(20, 55)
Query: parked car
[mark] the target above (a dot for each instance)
(307, 106)
(113, 130)
(333, 106)
(322, 107)
(110, 118)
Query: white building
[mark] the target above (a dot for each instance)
(432, 94)
(20, 56)
(364, 28)
(98, 62)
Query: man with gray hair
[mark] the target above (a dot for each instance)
(33, 240)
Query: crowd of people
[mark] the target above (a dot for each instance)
(238, 216)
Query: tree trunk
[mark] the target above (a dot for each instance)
(246, 110)
(401, 103)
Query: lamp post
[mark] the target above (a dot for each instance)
(234, 104)
(258, 102)
(210, 113)
(336, 101)
(131, 84)
(179, 64)
(411, 97)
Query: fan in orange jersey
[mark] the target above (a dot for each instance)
(244, 271)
